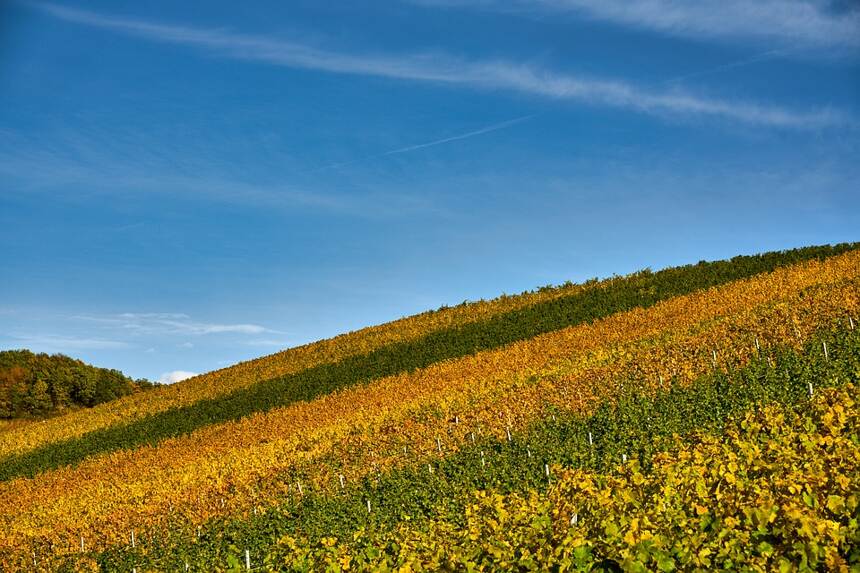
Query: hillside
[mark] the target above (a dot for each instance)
(37, 385)
(698, 417)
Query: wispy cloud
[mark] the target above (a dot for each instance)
(417, 146)
(812, 23)
(170, 323)
(175, 376)
(111, 168)
(442, 69)
(50, 343)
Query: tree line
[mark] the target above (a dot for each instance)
(40, 385)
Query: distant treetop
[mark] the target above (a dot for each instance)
(39, 385)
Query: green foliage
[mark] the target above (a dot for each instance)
(639, 425)
(42, 385)
(776, 492)
(642, 289)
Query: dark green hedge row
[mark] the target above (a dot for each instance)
(640, 424)
(641, 290)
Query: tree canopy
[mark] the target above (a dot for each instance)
(38, 385)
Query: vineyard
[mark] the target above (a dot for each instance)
(694, 418)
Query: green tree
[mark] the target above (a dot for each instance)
(13, 387)
(38, 399)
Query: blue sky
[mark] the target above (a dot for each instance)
(187, 185)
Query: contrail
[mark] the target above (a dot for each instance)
(483, 130)
(764, 56)
(488, 129)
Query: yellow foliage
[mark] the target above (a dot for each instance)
(230, 468)
(20, 437)
(782, 515)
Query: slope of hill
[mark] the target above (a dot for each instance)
(35, 385)
(535, 431)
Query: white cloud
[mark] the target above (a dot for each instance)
(112, 167)
(489, 75)
(64, 344)
(170, 323)
(811, 23)
(175, 376)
